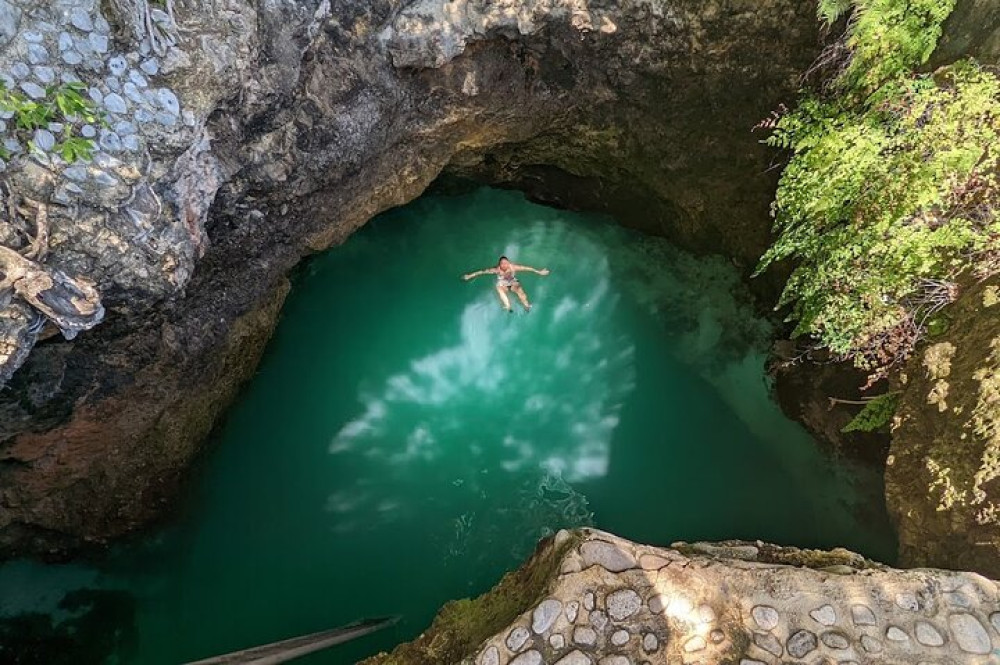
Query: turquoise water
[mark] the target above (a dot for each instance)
(406, 441)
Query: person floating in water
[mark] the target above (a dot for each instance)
(507, 281)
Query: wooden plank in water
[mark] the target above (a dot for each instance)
(296, 647)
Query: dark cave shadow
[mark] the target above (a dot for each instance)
(90, 627)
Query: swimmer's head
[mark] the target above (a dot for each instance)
(503, 263)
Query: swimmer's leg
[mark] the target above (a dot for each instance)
(504, 300)
(522, 296)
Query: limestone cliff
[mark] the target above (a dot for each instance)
(243, 135)
(943, 473)
(588, 598)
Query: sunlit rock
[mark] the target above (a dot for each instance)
(761, 611)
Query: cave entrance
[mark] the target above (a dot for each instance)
(406, 441)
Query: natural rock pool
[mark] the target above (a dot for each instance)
(406, 441)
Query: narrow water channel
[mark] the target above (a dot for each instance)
(406, 441)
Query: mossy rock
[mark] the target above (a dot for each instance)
(462, 625)
(943, 471)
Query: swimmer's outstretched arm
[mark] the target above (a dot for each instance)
(543, 271)
(484, 271)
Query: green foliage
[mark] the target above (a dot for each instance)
(75, 148)
(831, 10)
(891, 191)
(875, 415)
(463, 625)
(64, 104)
(889, 38)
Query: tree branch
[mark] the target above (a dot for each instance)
(73, 304)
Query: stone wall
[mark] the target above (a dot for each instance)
(131, 221)
(608, 601)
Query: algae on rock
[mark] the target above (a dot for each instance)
(462, 625)
(943, 474)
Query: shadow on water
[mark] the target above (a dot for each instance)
(87, 626)
(406, 441)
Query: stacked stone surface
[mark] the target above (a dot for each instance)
(114, 220)
(659, 605)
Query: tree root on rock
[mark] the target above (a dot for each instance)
(31, 293)
(17, 337)
(40, 244)
(136, 20)
(73, 304)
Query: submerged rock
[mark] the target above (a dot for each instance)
(760, 610)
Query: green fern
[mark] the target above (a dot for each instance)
(889, 38)
(831, 10)
(876, 414)
(891, 191)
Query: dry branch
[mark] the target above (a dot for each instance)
(73, 304)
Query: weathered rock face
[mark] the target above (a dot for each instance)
(95, 432)
(588, 597)
(972, 29)
(825, 396)
(244, 135)
(943, 473)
